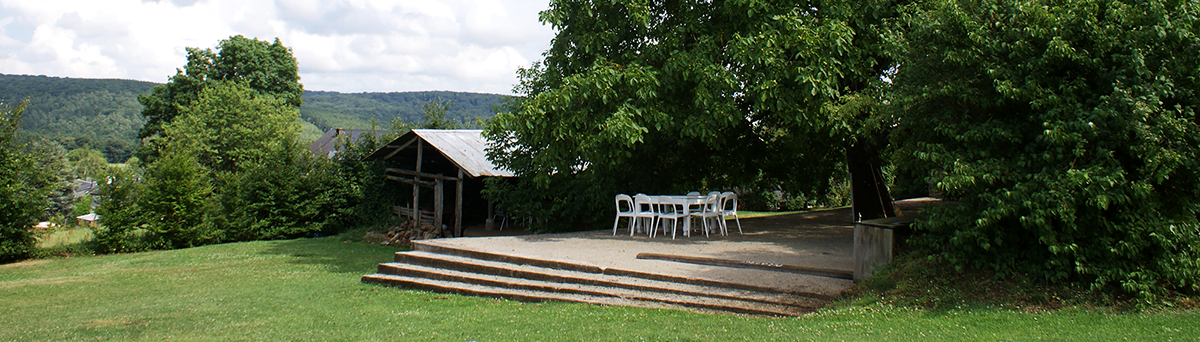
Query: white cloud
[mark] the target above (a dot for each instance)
(348, 46)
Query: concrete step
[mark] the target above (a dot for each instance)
(548, 292)
(452, 269)
(443, 286)
(809, 286)
(720, 302)
(538, 273)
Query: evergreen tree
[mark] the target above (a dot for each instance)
(57, 176)
(177, 200)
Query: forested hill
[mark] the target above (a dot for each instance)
(101, 113)
(105, 114)
(355, 110)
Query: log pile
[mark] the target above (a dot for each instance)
(403, 234)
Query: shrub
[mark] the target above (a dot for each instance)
(1068, 132)
(300, 199)
(121, 229)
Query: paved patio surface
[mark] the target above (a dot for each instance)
(817, 239)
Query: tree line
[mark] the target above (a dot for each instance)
(105, 115)
(220, 159)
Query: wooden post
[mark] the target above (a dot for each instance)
(437, 206)
(458, 204)
(489, 224)
(416, 205)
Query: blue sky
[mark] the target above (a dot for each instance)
(346, 46)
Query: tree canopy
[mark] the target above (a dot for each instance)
(1065, 129)
(232, 127)
(267, 68)
(667, 97)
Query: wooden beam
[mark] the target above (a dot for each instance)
(426, 184)
(417, 190)
(421, 174)
(400, 147)
(438, 212)
(458, 204)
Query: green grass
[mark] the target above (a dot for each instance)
(64, 236)
(309, 289)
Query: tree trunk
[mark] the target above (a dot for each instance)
(869, 194)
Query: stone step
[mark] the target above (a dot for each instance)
(662, 295)
(813, 284)
(538, 273)
(531, 295)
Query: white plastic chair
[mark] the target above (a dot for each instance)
(729, 208)
(643, 207)
(670, 209)
(710, 210)
(623, 198)
(694, 207)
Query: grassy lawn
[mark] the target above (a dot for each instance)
(64, 236)
(309, 289)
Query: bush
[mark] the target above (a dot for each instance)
(1068, 132)
(177, 204)
(302, 199)
(121, 229)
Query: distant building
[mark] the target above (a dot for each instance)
(84, 187)
(332, 142)
(88, 220)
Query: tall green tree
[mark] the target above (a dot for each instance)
(21, 201)
(235, 127)
(1068, 132)
(667, 97)
(267, 68)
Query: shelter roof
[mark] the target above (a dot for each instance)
(466, 148)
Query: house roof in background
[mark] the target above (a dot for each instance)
(327, 144)
(466, 148)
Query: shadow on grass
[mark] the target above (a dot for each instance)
(338, 256)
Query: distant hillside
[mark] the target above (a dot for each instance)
(355, 110)
(101, 113)
(105, 114)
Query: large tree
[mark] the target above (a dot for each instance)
(672, 96)
(22, 202)
(267, 68)
(1067, 129)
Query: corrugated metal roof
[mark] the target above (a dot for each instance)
(466, 148)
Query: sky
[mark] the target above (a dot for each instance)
(344, 46)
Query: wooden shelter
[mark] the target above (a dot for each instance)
(460, 158)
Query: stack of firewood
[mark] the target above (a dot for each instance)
(403, 234)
